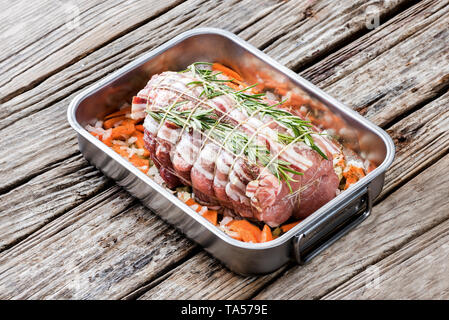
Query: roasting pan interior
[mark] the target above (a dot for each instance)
(218, 48)
(354, 131)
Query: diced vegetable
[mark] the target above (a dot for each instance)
(212, 216)
(140, 143)
(352, 175)
(266, 234)
(227, 71)
(124, 131)
(139, 162)
(96, 135)
(113, 122)
(289, 226)
(247, 231)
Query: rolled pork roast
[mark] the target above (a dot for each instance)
(190, 149)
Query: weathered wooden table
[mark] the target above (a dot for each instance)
(66, 231)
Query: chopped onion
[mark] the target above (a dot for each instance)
(107, 133)
(203, 210)
(184, 196)
(225, 221)
(132, 140)
(119, 142)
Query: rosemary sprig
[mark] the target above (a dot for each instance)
(236, 142)
(213, 87)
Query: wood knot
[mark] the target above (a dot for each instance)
(398, 138)
(362, 110)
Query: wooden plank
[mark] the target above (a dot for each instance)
(104, 249)
(364, 49)
(65, 147)
(203, 277)
(56, 141)
(30, 206)
(321, 28)
(59, 34)
(420, 139)
(55, 34)
(224, 15)
(394, 69)
(425, 138)
(416, 207)
(419, 270)
(49, 137)
(51, 95)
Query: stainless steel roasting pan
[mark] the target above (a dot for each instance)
(301, 243)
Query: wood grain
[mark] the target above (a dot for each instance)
(254, 24)
(58, 34)
(55, 33)
(100, 255)
(324, 27)
(420, 139)
(364, 49)
(53, 95)
(203, 277)
(104, 249)
(62, 187)
(424, 138)
(416, 207)
(404, 64)
(419, 270)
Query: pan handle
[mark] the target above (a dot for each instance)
(332, 227)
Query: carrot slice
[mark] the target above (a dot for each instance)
(121, 112)
(139, 162)
(232, 85)
(123, 131)
(212, 216)
(107, 141)
(227, 71)
(140, 143)
(108, 124)
(280, 91)
(247, 231)
(140, 128)
(266, 234)
(297, 100)
(96, 135)
(289, 226)
(190, 202)
(236, 237)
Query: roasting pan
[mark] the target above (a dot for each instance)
(305, 240)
